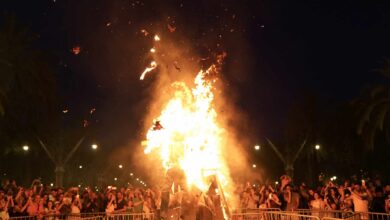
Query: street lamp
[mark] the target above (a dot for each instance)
(317, 147)
(26, 148)
(94, 146)
(257, 147)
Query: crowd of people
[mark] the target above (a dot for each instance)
(40, 200)
(351, 196)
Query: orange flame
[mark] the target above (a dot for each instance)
(189, 136)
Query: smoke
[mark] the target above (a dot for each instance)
(178, 61)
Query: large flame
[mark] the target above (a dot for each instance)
(188, 135)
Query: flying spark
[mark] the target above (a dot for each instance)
(152, 66)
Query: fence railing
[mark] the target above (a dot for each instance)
(90, 216)
(271, 215)
(244, 214)
(374, 216)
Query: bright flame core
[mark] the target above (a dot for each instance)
(189, 136)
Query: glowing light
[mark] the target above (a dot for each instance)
(94, 146)
(131, 174)
(151, 67)
(76, 50)
(317, 147)
(81, 167)
(152, 50)
(26, 148)
(115, 179)
(257, 147)
(120, 166)
(276, 182)
(187, 134)
(254, 165)
(51, 184)
(156, 38)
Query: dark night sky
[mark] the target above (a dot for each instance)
(278, 50)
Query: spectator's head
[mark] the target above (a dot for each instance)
(357, 186)
(378, 191)
(317, 195)
(119, 195)
(49, 204)
(37, 198)
(347, 193)
(54, 192)
(287, 188)
(387, 189)
(311, 192)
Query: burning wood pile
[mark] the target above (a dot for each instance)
(188, 140)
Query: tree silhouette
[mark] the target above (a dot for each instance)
(374, 111)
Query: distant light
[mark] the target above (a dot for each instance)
(120, 166)
(81, 167)
(152, 50)
(257, 147)
(94, 146)
(79, 185)
(254, 165)
(276, 182)
(156, 38)
(26, 148)
(137, 179)
(317, 147)
(51, 184)
(115, 179)
(131, 174)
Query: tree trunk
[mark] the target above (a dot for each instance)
(59, 171)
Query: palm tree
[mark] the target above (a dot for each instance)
(374, 111)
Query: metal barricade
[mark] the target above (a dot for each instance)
(374, 216)
(272, 215)
(129, 216)
(321, 214)
(23, 218)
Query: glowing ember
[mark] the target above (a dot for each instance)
(152, 66)
(187, 134)
(76, 50)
